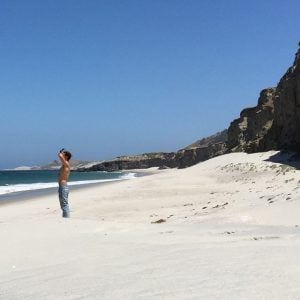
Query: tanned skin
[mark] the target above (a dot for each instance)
(64, 171)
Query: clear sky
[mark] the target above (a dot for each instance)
(115, 77)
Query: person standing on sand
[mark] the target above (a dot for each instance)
(63, 189)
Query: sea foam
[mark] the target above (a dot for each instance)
(16, 188)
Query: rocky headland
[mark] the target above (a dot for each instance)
(273, 124)
(198, 151)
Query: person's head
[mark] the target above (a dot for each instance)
(67, 155)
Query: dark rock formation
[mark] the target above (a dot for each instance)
(143, 161)
(247, 132)
(191, 156)
(285, 131)
(181, 159)
(219, 137)
(275, 122)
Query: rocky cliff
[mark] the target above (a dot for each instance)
(285, 131)
(219, 137)
(201, 150)
(142, 161)
(275, 122)
(192, 154)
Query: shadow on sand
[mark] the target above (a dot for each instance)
(286, 158)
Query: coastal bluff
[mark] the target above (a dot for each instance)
(199, 151)
(273, 124)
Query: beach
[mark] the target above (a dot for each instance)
(226, 228)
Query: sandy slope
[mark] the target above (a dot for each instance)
(230, 232)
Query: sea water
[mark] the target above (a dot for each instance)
(20, 181)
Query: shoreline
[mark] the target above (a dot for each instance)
(32, 195)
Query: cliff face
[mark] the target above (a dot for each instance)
(285, 132)
(219, 137)
(275, 122)
(202, 150)
(193, 154)
(247, 133)
(143, 161)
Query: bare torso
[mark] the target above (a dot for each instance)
(64, 173)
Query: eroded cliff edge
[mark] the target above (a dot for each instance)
(273, 124)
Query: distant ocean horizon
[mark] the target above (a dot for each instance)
(17, 181)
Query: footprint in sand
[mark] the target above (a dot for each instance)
(159, 221)
(265, 238)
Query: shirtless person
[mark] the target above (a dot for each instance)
(63, 190)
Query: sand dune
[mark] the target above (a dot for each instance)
(227, 228)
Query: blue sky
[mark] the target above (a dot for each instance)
(109, 78)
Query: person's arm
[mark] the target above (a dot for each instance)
(64, 162)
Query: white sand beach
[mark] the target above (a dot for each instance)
(227, 228)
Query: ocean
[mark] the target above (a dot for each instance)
(22, 181)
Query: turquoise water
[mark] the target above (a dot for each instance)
(18, 181)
